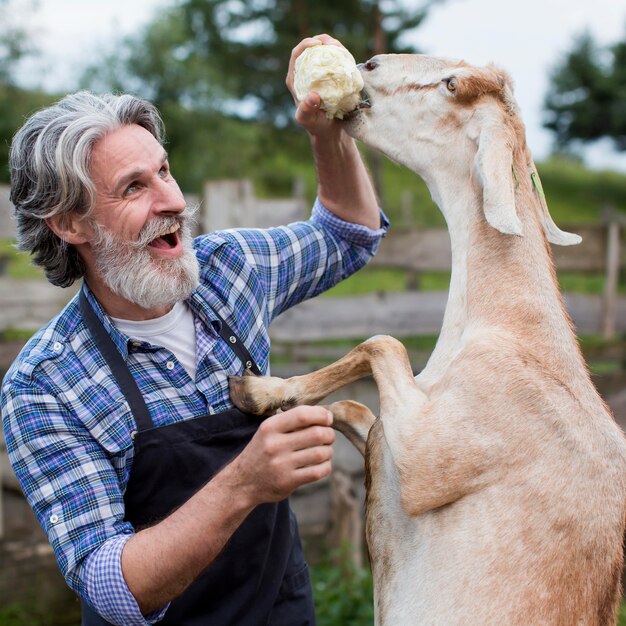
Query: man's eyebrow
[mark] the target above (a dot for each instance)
(134, 174)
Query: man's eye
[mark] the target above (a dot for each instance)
(131, 189)
(164, 172)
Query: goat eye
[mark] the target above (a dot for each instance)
(451, 84)
(371, 65)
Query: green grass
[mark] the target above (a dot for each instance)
(386, 280)
(343, 593)
(575, 194)
(20, 265)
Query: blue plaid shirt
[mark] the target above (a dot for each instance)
(68, 427)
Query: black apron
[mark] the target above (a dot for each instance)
(260, 577)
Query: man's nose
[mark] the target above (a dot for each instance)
(169, 197)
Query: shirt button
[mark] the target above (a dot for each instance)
(58, 347)
(170, 365)
(133, 435)
(54, 519)
(232, 339)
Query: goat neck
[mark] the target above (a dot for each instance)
(500, 282)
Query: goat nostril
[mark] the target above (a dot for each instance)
(368, 65)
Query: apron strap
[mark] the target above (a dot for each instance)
(116, 363)
(122, 373)
(228, 335)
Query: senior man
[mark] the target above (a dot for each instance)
(162, 502)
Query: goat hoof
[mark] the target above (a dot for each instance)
(240, 396)
(258, 395)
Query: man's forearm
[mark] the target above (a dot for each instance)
(288, 450)
(160, 562)
(345, 187)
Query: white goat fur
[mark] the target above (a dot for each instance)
(496, 478)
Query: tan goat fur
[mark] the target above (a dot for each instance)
(496, 478)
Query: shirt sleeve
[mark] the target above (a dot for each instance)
(106, 588)
(304, 259)
(355, 234)
(74, 490)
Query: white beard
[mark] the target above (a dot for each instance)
(129, 270)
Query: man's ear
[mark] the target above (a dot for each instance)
(71, 228)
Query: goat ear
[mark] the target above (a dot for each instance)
(553, 233)
(493, 162)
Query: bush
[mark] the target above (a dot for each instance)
(343, 593)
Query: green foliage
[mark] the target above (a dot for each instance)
(587, 96)
(14, 41)
(202, 54)
(343, 593)
(253, 40)
(576, 194)
(15, 106)
(204, 63)
(18, 263)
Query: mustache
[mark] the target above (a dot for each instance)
(155, 227)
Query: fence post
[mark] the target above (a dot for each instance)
(613, 261)
(227, 204)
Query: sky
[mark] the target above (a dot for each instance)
(525, 38)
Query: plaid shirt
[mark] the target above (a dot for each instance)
(68, 427)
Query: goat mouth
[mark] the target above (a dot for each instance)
(364, 103)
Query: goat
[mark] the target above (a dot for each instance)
(496, 478)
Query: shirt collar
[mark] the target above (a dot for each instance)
(203, 302)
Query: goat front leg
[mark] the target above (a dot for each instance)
(353, 420)
(264, 395)
(382, 356)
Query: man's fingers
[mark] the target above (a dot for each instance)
(299, 418)
(295, 53)
(313, 473)
(309, 438)
(309, 112)
(312, 456)
(316, 40)
(328, 39)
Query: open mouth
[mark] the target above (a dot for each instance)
(167, 240)
(364, 102)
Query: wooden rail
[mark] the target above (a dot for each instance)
(29, 304)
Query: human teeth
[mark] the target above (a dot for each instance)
(170, 230)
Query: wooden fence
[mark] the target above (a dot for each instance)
(29, 304)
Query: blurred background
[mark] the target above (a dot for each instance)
(216, 70)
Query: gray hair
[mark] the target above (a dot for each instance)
(49, 166)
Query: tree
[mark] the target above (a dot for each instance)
(15, 103)
(14, 44)
(202, 59)
(213, 54)
(252, 41)
(587, 96)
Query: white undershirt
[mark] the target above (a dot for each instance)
(174, 330)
